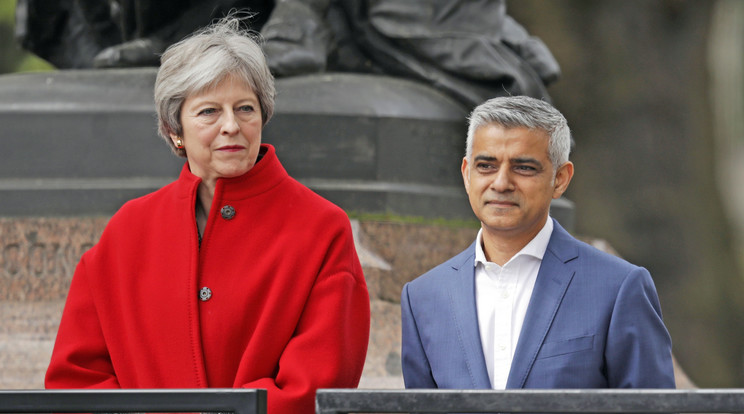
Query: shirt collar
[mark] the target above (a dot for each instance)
(535, 248)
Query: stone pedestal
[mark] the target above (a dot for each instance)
(84, 142)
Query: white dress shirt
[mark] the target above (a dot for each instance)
(502, 296)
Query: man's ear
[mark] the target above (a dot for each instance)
(562, 178)
(465, 169)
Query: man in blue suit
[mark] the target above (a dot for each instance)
(527, 305)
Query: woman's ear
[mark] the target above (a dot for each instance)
(177, 141)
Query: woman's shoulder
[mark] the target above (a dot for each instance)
(143, 208)
(308, 196)
(300, 204)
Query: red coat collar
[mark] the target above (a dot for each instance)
(267, 173)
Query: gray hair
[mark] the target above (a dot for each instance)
(523, 111)
(201, 61)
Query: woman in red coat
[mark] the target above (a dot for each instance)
(234, 275)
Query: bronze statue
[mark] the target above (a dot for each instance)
(470, 49)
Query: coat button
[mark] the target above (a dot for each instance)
(205, 294)
(228, 212)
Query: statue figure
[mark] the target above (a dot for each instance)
(117, 33)
(470, 49)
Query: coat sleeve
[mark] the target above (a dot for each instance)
(416, 369)
(80, 358)
(329, 345)
(638, 352)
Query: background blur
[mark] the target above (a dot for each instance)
(12, 57)
(652, 90)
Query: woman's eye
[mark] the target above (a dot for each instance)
(207, 111)
(245, 108)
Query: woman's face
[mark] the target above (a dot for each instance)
(221, 130)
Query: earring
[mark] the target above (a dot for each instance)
(179, 143)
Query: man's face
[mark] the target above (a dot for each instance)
(510, 180)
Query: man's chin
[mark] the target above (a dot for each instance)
(501, 209)
(500, 225)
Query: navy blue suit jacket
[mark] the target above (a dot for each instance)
(593, 321)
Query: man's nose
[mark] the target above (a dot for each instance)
(502, 180)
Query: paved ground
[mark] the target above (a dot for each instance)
(27, 331)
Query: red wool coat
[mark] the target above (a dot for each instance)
(288, 312)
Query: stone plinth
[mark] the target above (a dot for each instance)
(39, 255)
(83, 142)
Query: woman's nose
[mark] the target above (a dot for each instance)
(229, 124)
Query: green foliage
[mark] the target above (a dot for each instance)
(32, 63)
(12, 57)
(7, 9)
(393, 218)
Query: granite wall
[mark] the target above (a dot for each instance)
(38, 257)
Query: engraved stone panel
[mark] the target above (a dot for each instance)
(38, 255)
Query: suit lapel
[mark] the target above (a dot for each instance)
(552, 281)
(465, 315)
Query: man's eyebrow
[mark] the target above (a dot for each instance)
(516, 160)
(526, 160)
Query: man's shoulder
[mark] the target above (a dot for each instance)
(567, 248)
(599, 256)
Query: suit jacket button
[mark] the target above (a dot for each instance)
(205, 294)
(228, 212)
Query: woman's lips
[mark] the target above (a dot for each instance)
(231, 148)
